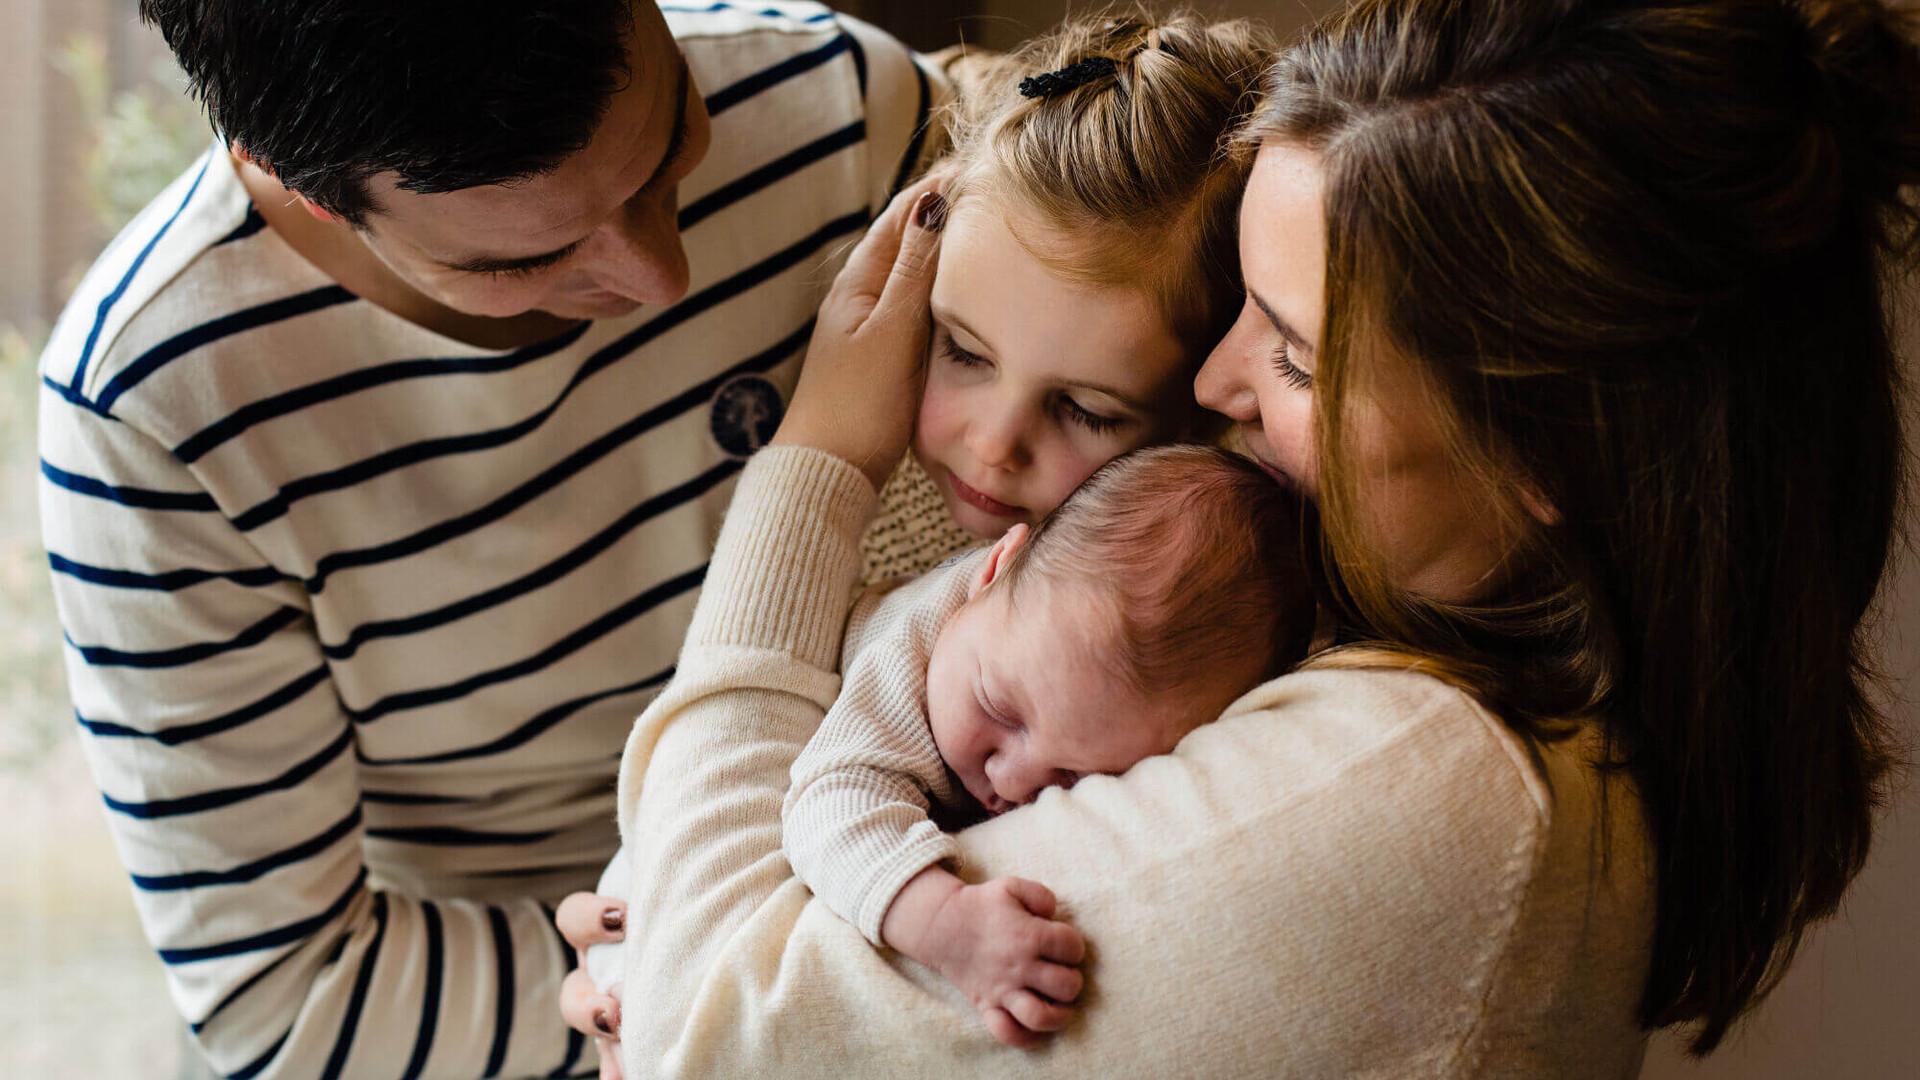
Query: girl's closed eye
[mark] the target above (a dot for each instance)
(956, 354)
(1079, 414)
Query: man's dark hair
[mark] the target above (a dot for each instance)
(326, 93)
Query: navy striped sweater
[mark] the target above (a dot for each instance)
(358, 616)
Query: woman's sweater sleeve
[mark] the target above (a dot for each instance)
(1324, 882)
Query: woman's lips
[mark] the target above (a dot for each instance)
(980, 500)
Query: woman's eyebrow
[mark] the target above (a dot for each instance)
(1294, 337)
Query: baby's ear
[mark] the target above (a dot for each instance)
(996, 561)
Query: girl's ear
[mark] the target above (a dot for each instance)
(996, 560)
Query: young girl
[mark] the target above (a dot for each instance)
(1086, 269)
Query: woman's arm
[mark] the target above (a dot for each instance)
(1322, 883)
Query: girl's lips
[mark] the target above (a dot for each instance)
(981, 501)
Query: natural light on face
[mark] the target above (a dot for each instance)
(1035, 380)
(595, 238)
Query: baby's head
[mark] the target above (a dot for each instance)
(1088, 263)
(1171, 583)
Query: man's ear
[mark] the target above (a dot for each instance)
(996, 560)
(320, 213)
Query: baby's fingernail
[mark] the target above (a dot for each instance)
(600, 1023)
(613, 919)
(930, 211)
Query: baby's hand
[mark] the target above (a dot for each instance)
(999, 943)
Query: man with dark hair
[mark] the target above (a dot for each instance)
(382, 457)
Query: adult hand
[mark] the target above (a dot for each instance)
(860, 387)
(586, 920)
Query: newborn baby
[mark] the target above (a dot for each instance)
(1169, 584)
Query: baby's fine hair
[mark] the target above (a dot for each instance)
(1197, 555)
(1135, 165)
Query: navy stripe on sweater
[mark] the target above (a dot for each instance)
(503, 993)
(106, 304)
(213, 330)
(282, 935)
(772, 172)
(350, 1022)
(140, 498)
(528, 731)
(102, 656)
(233, 424)
(734, 93)
(579, 639)
(227, 721)
(166, 580)
(430, 1002)
(222, 797)
(245, 872)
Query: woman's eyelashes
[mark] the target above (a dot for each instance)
(1063, 404)
(1283, 363)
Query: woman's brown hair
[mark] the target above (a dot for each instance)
(1134, 164)
(1635, 252)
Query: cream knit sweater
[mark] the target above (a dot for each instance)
(1348, 874)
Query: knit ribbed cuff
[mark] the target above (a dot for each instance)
(784, 568)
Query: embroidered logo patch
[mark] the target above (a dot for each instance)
(746, 411)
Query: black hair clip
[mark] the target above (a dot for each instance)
(1071, 77)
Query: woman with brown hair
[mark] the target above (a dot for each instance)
(1569, 317)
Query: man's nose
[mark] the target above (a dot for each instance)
(639, 254)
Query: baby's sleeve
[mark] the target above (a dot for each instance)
(855, 823)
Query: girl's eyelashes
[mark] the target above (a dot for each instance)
(1093, 422)
(961, 356)
(1070, 410)
(1283, 363)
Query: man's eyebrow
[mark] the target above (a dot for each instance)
(676, 145)
(1294, 337)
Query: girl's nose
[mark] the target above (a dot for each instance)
(997, 440)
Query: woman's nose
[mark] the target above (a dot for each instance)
(639, 255)
(1222, 384)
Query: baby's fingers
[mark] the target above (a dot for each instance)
(1002, 1026)
(1035, 1013)
(1062, 943)
(1056, 981)
(1033, 896)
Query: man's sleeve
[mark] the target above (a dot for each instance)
(904, 92)
(227, 764)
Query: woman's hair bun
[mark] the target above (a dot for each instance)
(1868, 60)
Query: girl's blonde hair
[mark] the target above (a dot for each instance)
(1135, 168)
